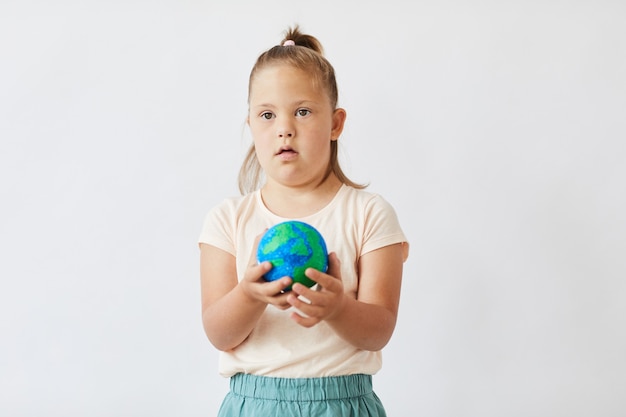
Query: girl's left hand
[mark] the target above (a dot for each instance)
(326, 301)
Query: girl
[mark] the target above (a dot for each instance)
(286, 356)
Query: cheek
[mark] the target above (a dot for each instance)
(259, 134)
(262, 146)
(322, 136)
(255, 129)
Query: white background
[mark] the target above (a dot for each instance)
(496, 128)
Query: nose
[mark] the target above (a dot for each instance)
(283, 133)
(285, 130)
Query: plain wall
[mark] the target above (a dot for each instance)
(497, 130)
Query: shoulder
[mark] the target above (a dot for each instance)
(231, 207)
(379, 223)
(222, 221)
(365, 201)
(228, 213)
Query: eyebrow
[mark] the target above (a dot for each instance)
(296, 104)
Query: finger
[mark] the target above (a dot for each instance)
(334, 266)
(301, 290)
(255, 272)
(294, 299)
(306, 306)
(324, 280)
(278, 286)
(332, 273)
(279, 301)
(309, 299)
(255, 247)
(304, 321)
(282, 306)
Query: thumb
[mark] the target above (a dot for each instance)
(255, 247)
(334, 266)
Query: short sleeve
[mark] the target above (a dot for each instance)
(217, 229)
(382, 227)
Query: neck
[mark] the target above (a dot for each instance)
(298, 202)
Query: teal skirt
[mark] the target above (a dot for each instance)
(260, 396)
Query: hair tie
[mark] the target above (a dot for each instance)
(289, 42)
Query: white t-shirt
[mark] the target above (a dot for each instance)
(353, 223)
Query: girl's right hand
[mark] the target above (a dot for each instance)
(256, 288)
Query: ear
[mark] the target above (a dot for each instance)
(339, 118)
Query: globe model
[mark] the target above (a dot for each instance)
(292, 247)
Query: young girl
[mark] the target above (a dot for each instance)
(286, 356)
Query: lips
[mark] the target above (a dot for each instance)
(287, 153)
(286, 150)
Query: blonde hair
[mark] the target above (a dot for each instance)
(306, 54)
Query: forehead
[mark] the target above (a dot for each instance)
(283, 79)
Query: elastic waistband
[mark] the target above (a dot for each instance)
(301, 389)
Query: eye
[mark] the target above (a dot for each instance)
(303, 112)
(267, 115)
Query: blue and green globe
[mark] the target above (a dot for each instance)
(292, 247)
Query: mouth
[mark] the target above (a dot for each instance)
(286, 150)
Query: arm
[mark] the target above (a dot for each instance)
(230, 310)
(367, 322)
